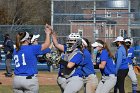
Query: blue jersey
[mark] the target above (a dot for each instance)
(77, 59)
(62, 56)
(121, 58)
(25, 60)
(88, 67)
(110, 65)
(47, 50)
(130, 55)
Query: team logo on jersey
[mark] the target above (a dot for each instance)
(98, 60)
(129, 54)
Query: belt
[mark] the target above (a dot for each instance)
(27, 77)
(70, 76)
(110, 75)
(90, 75)
(31, 76)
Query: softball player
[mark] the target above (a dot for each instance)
(25, 79)
(131, 72)
(41, 57)
(70, 74)
(121, 64)
(91, 81)
(104, 61)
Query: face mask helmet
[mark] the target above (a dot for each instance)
(73, 41)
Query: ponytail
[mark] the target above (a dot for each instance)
(88, 44)
(109, 52)
(17, 42)
(19, 36)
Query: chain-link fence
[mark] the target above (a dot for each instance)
(94, 19)
(136, 45)
(12, 30)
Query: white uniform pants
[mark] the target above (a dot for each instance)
(71, 85)
(106, 84)
(91, 83)
(23, 85)
(132, 75)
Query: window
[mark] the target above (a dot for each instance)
(96, 33)
(80, 31)
(118, 14)
(108, 14)
(123, 33)
(110, 31)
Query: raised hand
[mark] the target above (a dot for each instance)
(48, 29)
(54, 36)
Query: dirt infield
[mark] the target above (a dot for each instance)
(44, 77)
(47, 78)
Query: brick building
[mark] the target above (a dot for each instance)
(93, 19)
(104, 23)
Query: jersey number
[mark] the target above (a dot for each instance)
(16, 58)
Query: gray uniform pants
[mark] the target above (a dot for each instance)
(106, 84)
(71, 85)
(91, 83)
(23, 85)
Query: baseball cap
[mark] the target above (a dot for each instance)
(96, 44)
(127, 40)
(34, 37)
(119, 38)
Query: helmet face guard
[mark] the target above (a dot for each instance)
(73, 41)
(77, 44)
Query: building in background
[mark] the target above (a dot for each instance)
(93, 19)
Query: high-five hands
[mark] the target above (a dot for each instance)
(48, 29)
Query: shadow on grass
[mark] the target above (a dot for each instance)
(137, 91)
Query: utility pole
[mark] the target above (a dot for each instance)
(129, 18)
(94, 21)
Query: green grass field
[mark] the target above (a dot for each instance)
(55, 88)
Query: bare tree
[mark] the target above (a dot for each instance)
(3, 16)
(25, 12)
